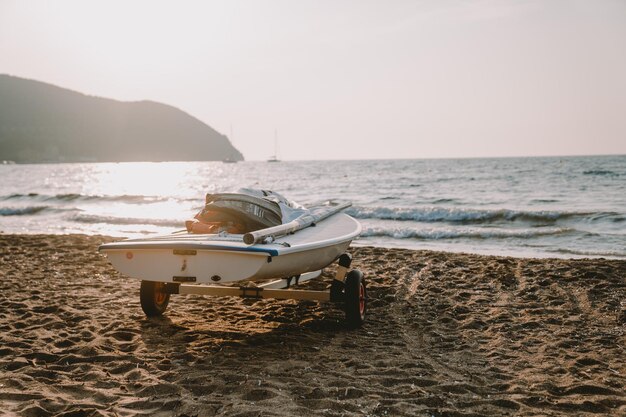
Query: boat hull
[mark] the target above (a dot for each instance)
(213, 259)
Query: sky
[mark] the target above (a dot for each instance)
(343, 79)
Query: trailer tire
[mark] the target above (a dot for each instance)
(355, 299)
(154, 298)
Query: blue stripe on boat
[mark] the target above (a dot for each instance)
(129, 246)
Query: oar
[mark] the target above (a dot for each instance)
(304, 221)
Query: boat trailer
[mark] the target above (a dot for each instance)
(347, 288)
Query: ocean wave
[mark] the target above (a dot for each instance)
(445, 200)
(609, 217)
(439, 234)
(12, 196)
(458, 215)
(21, 211)
(544, 200)
(67, 197)
(592, 253)
(134, 199)
(92, 219)
(602, 172)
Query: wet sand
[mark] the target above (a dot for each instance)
(447, 335)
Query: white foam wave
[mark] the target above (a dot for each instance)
(459, 215)
(471, 233)
(609, 253)
(69, 197)
(92, 219)
(21, 211)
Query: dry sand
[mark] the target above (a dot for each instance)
(447, 335)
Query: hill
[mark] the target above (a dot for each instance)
(41, 122)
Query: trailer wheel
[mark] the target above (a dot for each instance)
(154, 298)
(355, 299)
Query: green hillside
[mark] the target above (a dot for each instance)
(43, 123)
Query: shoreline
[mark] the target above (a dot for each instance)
(447, 334)
(356, 244)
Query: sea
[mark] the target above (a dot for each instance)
(566, 207)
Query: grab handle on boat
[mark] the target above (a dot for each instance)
(300, 223)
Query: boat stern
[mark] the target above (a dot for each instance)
(185, 265)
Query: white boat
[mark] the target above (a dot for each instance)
(188, 257)
(290, 252)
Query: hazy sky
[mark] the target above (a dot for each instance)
(347, 79)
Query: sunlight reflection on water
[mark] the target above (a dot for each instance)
(533, 206)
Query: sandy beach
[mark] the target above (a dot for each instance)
(447, 335)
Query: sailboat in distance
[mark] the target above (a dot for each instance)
(274, 158)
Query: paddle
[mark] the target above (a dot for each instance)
(316, 215)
